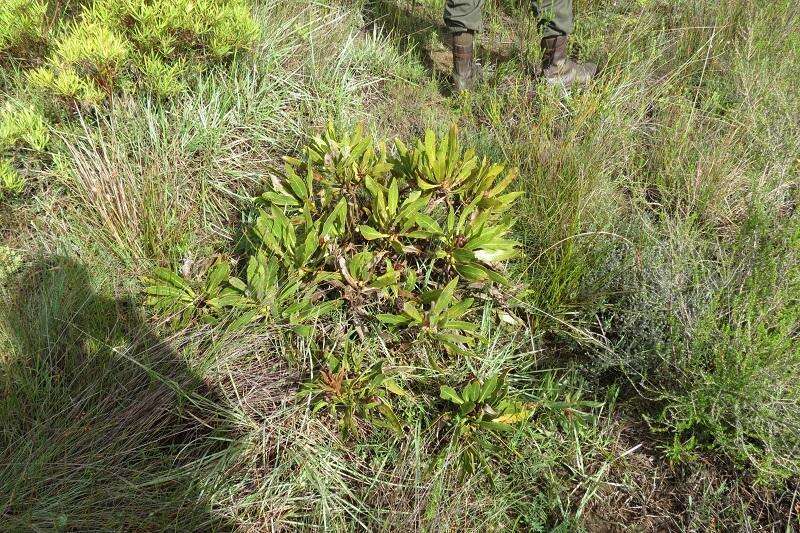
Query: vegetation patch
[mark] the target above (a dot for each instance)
(400, 246)
(576, 311)
(127, 46)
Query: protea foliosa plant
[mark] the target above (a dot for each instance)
(352, 242)
(402, 241)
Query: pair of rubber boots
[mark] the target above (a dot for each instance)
(557, 68)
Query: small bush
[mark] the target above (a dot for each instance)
(141, 44)
(713, 344)
(10, 259)
(92, 52)
(409, 240)
(22, 24)
(11, 182)
(480, 409)
(398, 246)
(23, 126)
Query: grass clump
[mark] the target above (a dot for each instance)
(69, 432)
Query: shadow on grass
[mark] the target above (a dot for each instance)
(102, 425)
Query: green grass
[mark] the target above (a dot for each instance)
(662, 267)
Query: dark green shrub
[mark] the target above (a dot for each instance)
(398, 247)
(348, 225)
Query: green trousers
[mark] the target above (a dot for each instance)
(554, 16)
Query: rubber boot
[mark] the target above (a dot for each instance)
(466, 70)
(558, 69)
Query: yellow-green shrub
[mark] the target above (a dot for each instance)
(11, 182)
(141, 44)
(66, 85)
(22, 24)
(22, 126)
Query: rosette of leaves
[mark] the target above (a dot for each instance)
(362, 285)
(473, 244)
(477, 414)
(442, 321)
(397, 223)
(328, 181)
(296, 244)
(266, 295)
(299, 190)
(438, 166)
(443, 168)
(185, 300)
(352, 392)
(346, 158)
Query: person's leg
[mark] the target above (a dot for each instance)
(463, 18)
(554, 17)
(555, 20)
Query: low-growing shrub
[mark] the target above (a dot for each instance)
(22, 26)
(83, 52)
(21, 128)
(345, 384)
(141, 44)
(409, 240)
(400, 247)
(481, 410)
(11, 182)
(713, 345)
